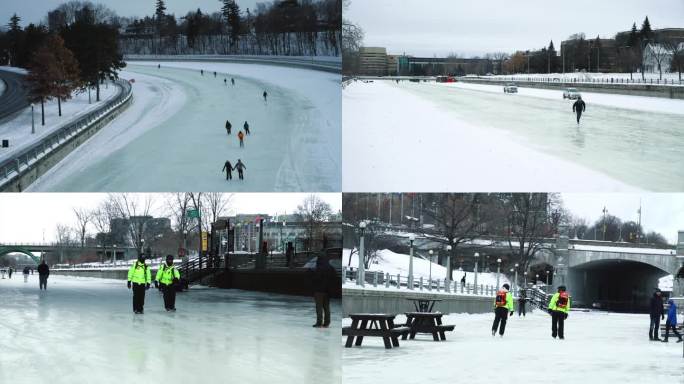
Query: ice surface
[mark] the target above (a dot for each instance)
(175, 140)
(13, 69)
(429, 137)
(599, 347)
(82, 330)
(2, 87)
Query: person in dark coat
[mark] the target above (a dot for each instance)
(232, 81)
(240, 166)
(463, 280)
(265, 95)
(578, 107)
(26, 273)
(657, 313)
(671, 321)
(43, 273)
(228, 167)
(324, 279)
(229, 126)
(225, 82)
(246, 126)
(522, 299)
(10, 271)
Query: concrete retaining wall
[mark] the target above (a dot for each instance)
(670, 92)
(376, 301)
(118, 274)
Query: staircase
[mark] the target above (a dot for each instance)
(537, 298)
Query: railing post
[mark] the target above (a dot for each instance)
(375, 278)
(398, 280)
(344, 274)
(387, 280)
(421, 283)
(447, 285)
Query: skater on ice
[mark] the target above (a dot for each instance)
(265, 96)
(246, 126)
(323, 281)
(229, 126)
(578, 107)
(225, 82)
(463, 280)
(228, 167)
(202, 72)
(657, 313)
(10, 271)
(558, 308)
(241, 137)
(240, 166)
(26, 273)
(671, 321)
(214, 73)
(232, 81)
(521, 303)
(503, 304)
(167, 278)
(43, 274)
(139, 279)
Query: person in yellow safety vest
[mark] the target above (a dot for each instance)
(168, 276)
(503, 304)
(558, 308)
(139, 278)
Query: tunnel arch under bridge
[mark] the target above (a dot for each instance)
(6, 250)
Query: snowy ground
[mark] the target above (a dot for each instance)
(82, 330)
(432, 137)
(18, 130)
(598, 348)
(173, 137)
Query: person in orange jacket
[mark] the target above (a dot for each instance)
(241, 136)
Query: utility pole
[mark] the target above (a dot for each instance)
(639, 224)
(390, 208)
(401, 210)
(604, 223)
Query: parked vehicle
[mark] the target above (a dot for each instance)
(510, 88)
(571, 93)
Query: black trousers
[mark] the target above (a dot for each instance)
(138, 297)
(229, 175)
(169, 292)
(654, 328)
(674, 330)
(240, 175)
(579, 115)
(521, 308)
(557, 324)
(42, 281)
(322, 308)
(500, 317)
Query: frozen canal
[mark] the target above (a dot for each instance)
(473, 138)
(82, 330)
(598, 348)
(173, 137)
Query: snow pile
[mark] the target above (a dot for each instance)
(666, 283)
(397, 263)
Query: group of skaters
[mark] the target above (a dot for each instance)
(657, 312)
(228, 167)
(558, 308)
(167, 281)
(43, 274)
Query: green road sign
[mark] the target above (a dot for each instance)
(193, 213)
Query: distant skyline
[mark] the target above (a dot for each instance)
(31, 12)
(440, 27)
(32, 217)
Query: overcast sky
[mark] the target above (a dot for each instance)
(24, 217)
(438, 27)
(660, 212)
(34, 11)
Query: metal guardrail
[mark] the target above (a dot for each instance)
(578, 80)
(22, 161)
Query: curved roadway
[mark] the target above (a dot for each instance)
(15, 97)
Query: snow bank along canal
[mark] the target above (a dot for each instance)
(294, 143)
(83, 330)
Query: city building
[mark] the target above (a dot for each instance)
(373, 61)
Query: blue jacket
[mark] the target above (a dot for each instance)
(671, 313)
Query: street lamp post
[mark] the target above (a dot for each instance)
(412, 238)
(360, 278)
(547, 282)
(33, 121)
(448, 264)
(431, 252)
(113, 253)
(515, 285)
(476, 256)
(498, 272)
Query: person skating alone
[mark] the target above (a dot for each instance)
(240, 166)
(228, 168)
(43, 274)
(671, 321)
(657, 313)
(265, 96)
(167, 277)
(26, 273)
(246, 127)
(225, 82)
(229, 127)
(202, 72)
(323, 281)
(10, 271)
(521, 303)
(214, 73)
(578, 107)
(463, 280)
(241, 137)
(503, 304)
(558, 308)
(232, 81)
(139, 279)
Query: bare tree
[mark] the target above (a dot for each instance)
(64, 235)
(677, 60)
(83, 218)
(102, 221)
(660, 53)
(500, 57)
(313, 212)
(214, 205)
(178, 205)
(136, 211)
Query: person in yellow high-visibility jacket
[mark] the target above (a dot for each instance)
(503, 304)
(168, 276)
(139, 278)
(558, 308)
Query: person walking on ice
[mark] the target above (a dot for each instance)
(241, 137)
(558, 308)
(578, 107)
(225, 82)
(265, 96)
(246, 126)
(26, 273)
(139, 279)
(671, 321)
(521, 303)
(9, 272)
(228, 167)
(503, 304)
(168, 276)
(43, 274)
(229, 126)
(232, 81)
(657, 313)
(240, 166)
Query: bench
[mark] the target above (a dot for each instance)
(426, 322)
(389, 336)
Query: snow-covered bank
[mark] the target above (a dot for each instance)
(598, 348)
(395, 139)
(294, 145)
(82, 330)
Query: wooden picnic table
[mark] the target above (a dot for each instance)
(424, 305)
(373, 325)
(426, 322)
